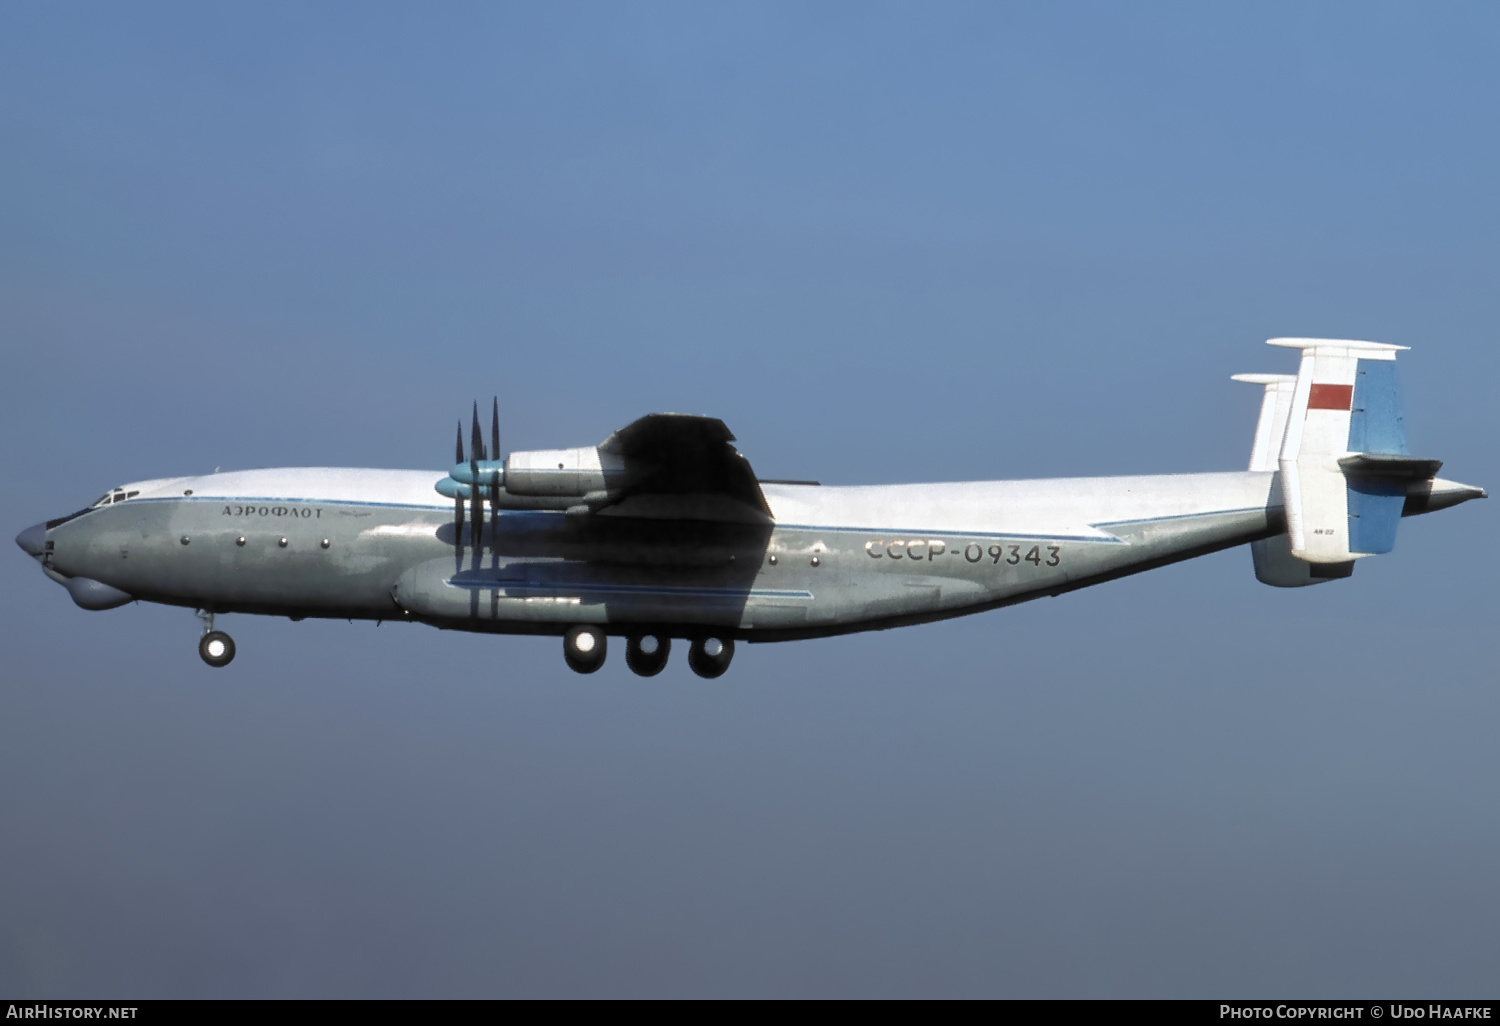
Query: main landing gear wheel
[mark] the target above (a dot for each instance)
(216, 648)
(709, 657)
(584, 649)
(646, 654)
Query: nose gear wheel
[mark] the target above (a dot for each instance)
(216, 648)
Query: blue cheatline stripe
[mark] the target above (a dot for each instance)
(1180, 516)
(1029, 536)
(1375, 421)
(827, 529)
(901, 532)
(628, 589)
(246, 500)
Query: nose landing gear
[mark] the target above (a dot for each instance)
(215, 647)
(709, 657)
(646, 654)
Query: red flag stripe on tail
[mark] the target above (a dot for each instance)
(1330, 397)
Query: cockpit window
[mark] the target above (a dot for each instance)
(113, 495)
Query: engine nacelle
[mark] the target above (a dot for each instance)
(563, 472)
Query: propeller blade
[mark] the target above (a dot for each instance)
(458, 500)
(476, 453)
(495, 429)
(495, 455)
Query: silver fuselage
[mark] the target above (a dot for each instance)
(380, 544)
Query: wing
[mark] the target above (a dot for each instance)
(684, 467)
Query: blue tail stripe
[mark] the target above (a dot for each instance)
(1375, 426)
(1374, 514)
(1375, 422)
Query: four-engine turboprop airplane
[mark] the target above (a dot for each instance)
(663, 532)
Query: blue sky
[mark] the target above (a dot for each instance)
(893, 242)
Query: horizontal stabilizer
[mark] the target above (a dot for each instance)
(1402, 468)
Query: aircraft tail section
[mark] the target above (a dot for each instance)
(1336, 436)
(1345, 405)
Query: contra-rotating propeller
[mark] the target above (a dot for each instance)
(476, 489)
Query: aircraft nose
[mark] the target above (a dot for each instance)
(33, 540)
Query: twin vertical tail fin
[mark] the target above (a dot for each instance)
(1335, 434)
(1274, 563)
(1275, 407)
